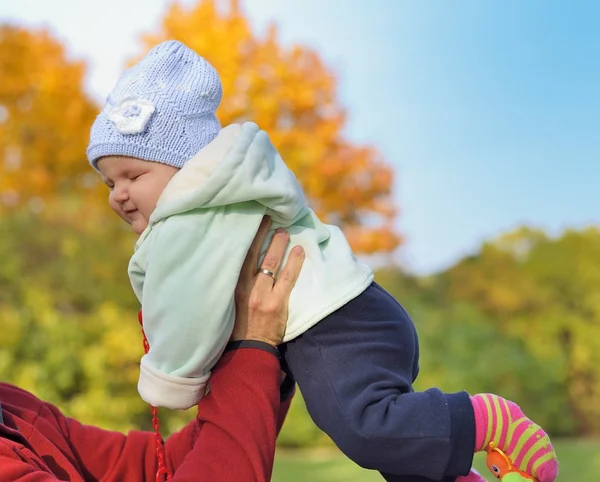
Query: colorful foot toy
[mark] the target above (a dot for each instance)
(502, 467)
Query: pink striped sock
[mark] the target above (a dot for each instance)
(504, 423)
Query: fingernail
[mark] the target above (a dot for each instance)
(280, 231)
(299, 250)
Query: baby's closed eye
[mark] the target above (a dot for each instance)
(135, 175)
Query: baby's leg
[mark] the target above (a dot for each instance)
(355, 370)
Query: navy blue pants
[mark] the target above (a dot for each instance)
(355, 370)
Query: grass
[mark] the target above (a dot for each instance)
(579, 462)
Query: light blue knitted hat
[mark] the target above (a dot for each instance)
(162, 109)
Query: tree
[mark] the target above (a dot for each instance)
(462, 347)
(291, 94)
(45, 118)
(544, 291)
(64, 293)
(69, 314)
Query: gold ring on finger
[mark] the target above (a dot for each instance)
(267, 272)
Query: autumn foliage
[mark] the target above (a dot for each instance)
(64, 293)
(288, 91)
(520, 318)
(45, 118)
(544, 292)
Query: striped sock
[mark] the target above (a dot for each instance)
(504, 423)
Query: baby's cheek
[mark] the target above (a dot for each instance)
(139, 225)
(114, 206)
(146, 209)
(152, 202)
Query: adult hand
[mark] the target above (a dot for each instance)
(262, 300)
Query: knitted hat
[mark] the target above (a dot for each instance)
(162, 109)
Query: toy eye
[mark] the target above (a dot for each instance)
(495, 469)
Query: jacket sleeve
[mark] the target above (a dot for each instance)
(14, 467)
(185, 273)
(236, 441)
(233, 438)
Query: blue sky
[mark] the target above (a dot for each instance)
(488, 110)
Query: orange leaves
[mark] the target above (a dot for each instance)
(47, 117)
(290, 93)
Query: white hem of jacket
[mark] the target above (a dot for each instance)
(161, 389)
(340, 299)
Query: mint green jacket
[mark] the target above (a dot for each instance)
(186, 263)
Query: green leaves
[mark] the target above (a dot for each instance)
(544, 292)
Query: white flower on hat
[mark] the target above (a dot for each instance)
(131, 115)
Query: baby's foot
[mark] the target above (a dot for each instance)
(524, 442)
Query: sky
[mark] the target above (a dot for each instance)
(489, 111)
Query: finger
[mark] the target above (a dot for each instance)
(273, 257)
(289, 274)
(249, 267)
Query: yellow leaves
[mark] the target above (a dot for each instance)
(47, 117)
(121, 341)
(11, 328)
(62, 339)
(291, 94)
(544, 291)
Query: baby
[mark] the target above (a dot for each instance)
(196, 195)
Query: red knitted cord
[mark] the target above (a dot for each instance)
(162, 470)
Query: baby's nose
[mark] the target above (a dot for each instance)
(120, 194)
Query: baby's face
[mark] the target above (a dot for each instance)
(135, 187)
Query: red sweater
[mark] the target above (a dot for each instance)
(233, 438)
